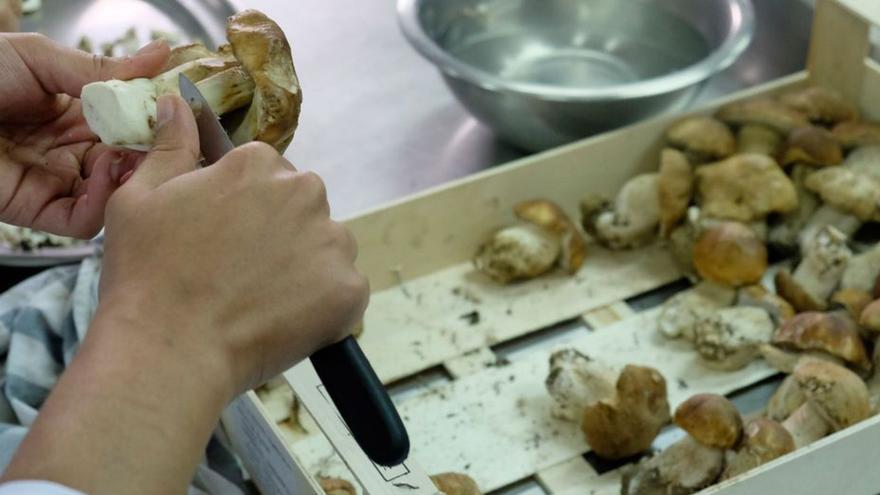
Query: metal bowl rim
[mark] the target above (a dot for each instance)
(719, 59)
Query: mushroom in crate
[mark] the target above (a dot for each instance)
(255, 71)
(544, 238)
(631, 220)
(696, 461)
(830, 336)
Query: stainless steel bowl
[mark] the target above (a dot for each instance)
(547, 72)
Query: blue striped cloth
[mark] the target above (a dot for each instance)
(42, 322)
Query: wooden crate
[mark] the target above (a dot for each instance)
(491, 418)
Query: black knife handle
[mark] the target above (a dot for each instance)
(362, 401)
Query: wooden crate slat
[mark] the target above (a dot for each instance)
(470, 363)
(432, 319)
(469, 423)
(838, 47)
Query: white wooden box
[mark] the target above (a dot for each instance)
(491, 419)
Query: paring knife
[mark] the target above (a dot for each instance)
(346, 374)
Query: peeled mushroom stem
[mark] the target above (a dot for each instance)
(819, 273)
(576, 381)
(631, 221)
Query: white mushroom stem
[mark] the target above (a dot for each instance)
(862, 270)
(123, 113)
(824, 260)
(806, 425)
(786, 232)
(828, 215)
(785, 361)
(576, 382)
(729, 338)
(633, 219)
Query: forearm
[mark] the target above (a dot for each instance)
(131, 414)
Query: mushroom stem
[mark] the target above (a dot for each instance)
(828, 215)
(806, 425)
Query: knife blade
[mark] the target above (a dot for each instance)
(347, 375)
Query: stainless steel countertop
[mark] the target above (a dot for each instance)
(378, 122)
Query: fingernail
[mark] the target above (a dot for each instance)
(164, 110)
(150, 47)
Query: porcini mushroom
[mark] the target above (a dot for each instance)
(758, 296)
(865, 159)
(832, 333)
(744, 188)
(702, 138)
(758, 139)
(455, 484)
(576, 381)
(675, 188)
(730, 338)
(680, 313)
(862, 270)
(819, 272)
(763, 440)
(848, 190)
(627, 423)
(187, 53)
(684, 467)
(851, 301)
(854, 134)
(821, 105)
(631, 221)
(766, 112)
(731, 254)
(812, 146)
(529, 249)
(833, 398)
(785, 232)
(825, 215)
(711, 419)
(260, 75)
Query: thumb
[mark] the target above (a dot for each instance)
(61, 69)
(175, 150)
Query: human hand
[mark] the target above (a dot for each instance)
(54, 175)
(238, 264)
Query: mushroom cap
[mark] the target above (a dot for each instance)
(785, 360)
(870, 316)
(261, 47)
(821, 105)
(550, 216)
(763, 440)
(812, 145)
(864, 159)
(757, 295)
(789, 289)
(731, 254)
(758, 139)
(854, 301)
(518, 252)
(456, 484)
(702, 137)
(711, 419)
(336, 486)
(836, 392)
(833, 333)
(629, 423)
(854, 134)
(766, 112)
(848, 190)
(675, 187)
(745, 187)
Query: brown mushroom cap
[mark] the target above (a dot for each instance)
(789, 289)
(813, 146)
(821, 105)
(731, 254)
(745, 188)
(704, 138)
(675, 187)
(854, 301)
(838, 393)
(763, 440)
(336, 486)
(187, 53)
(711, 419)
(456, 484)
(628, 423)
(758, 295)
(870, 317)
(766, 112)
(548, 215)
(854, 134)
(833, 333)
(758, 139)
(261, 47)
